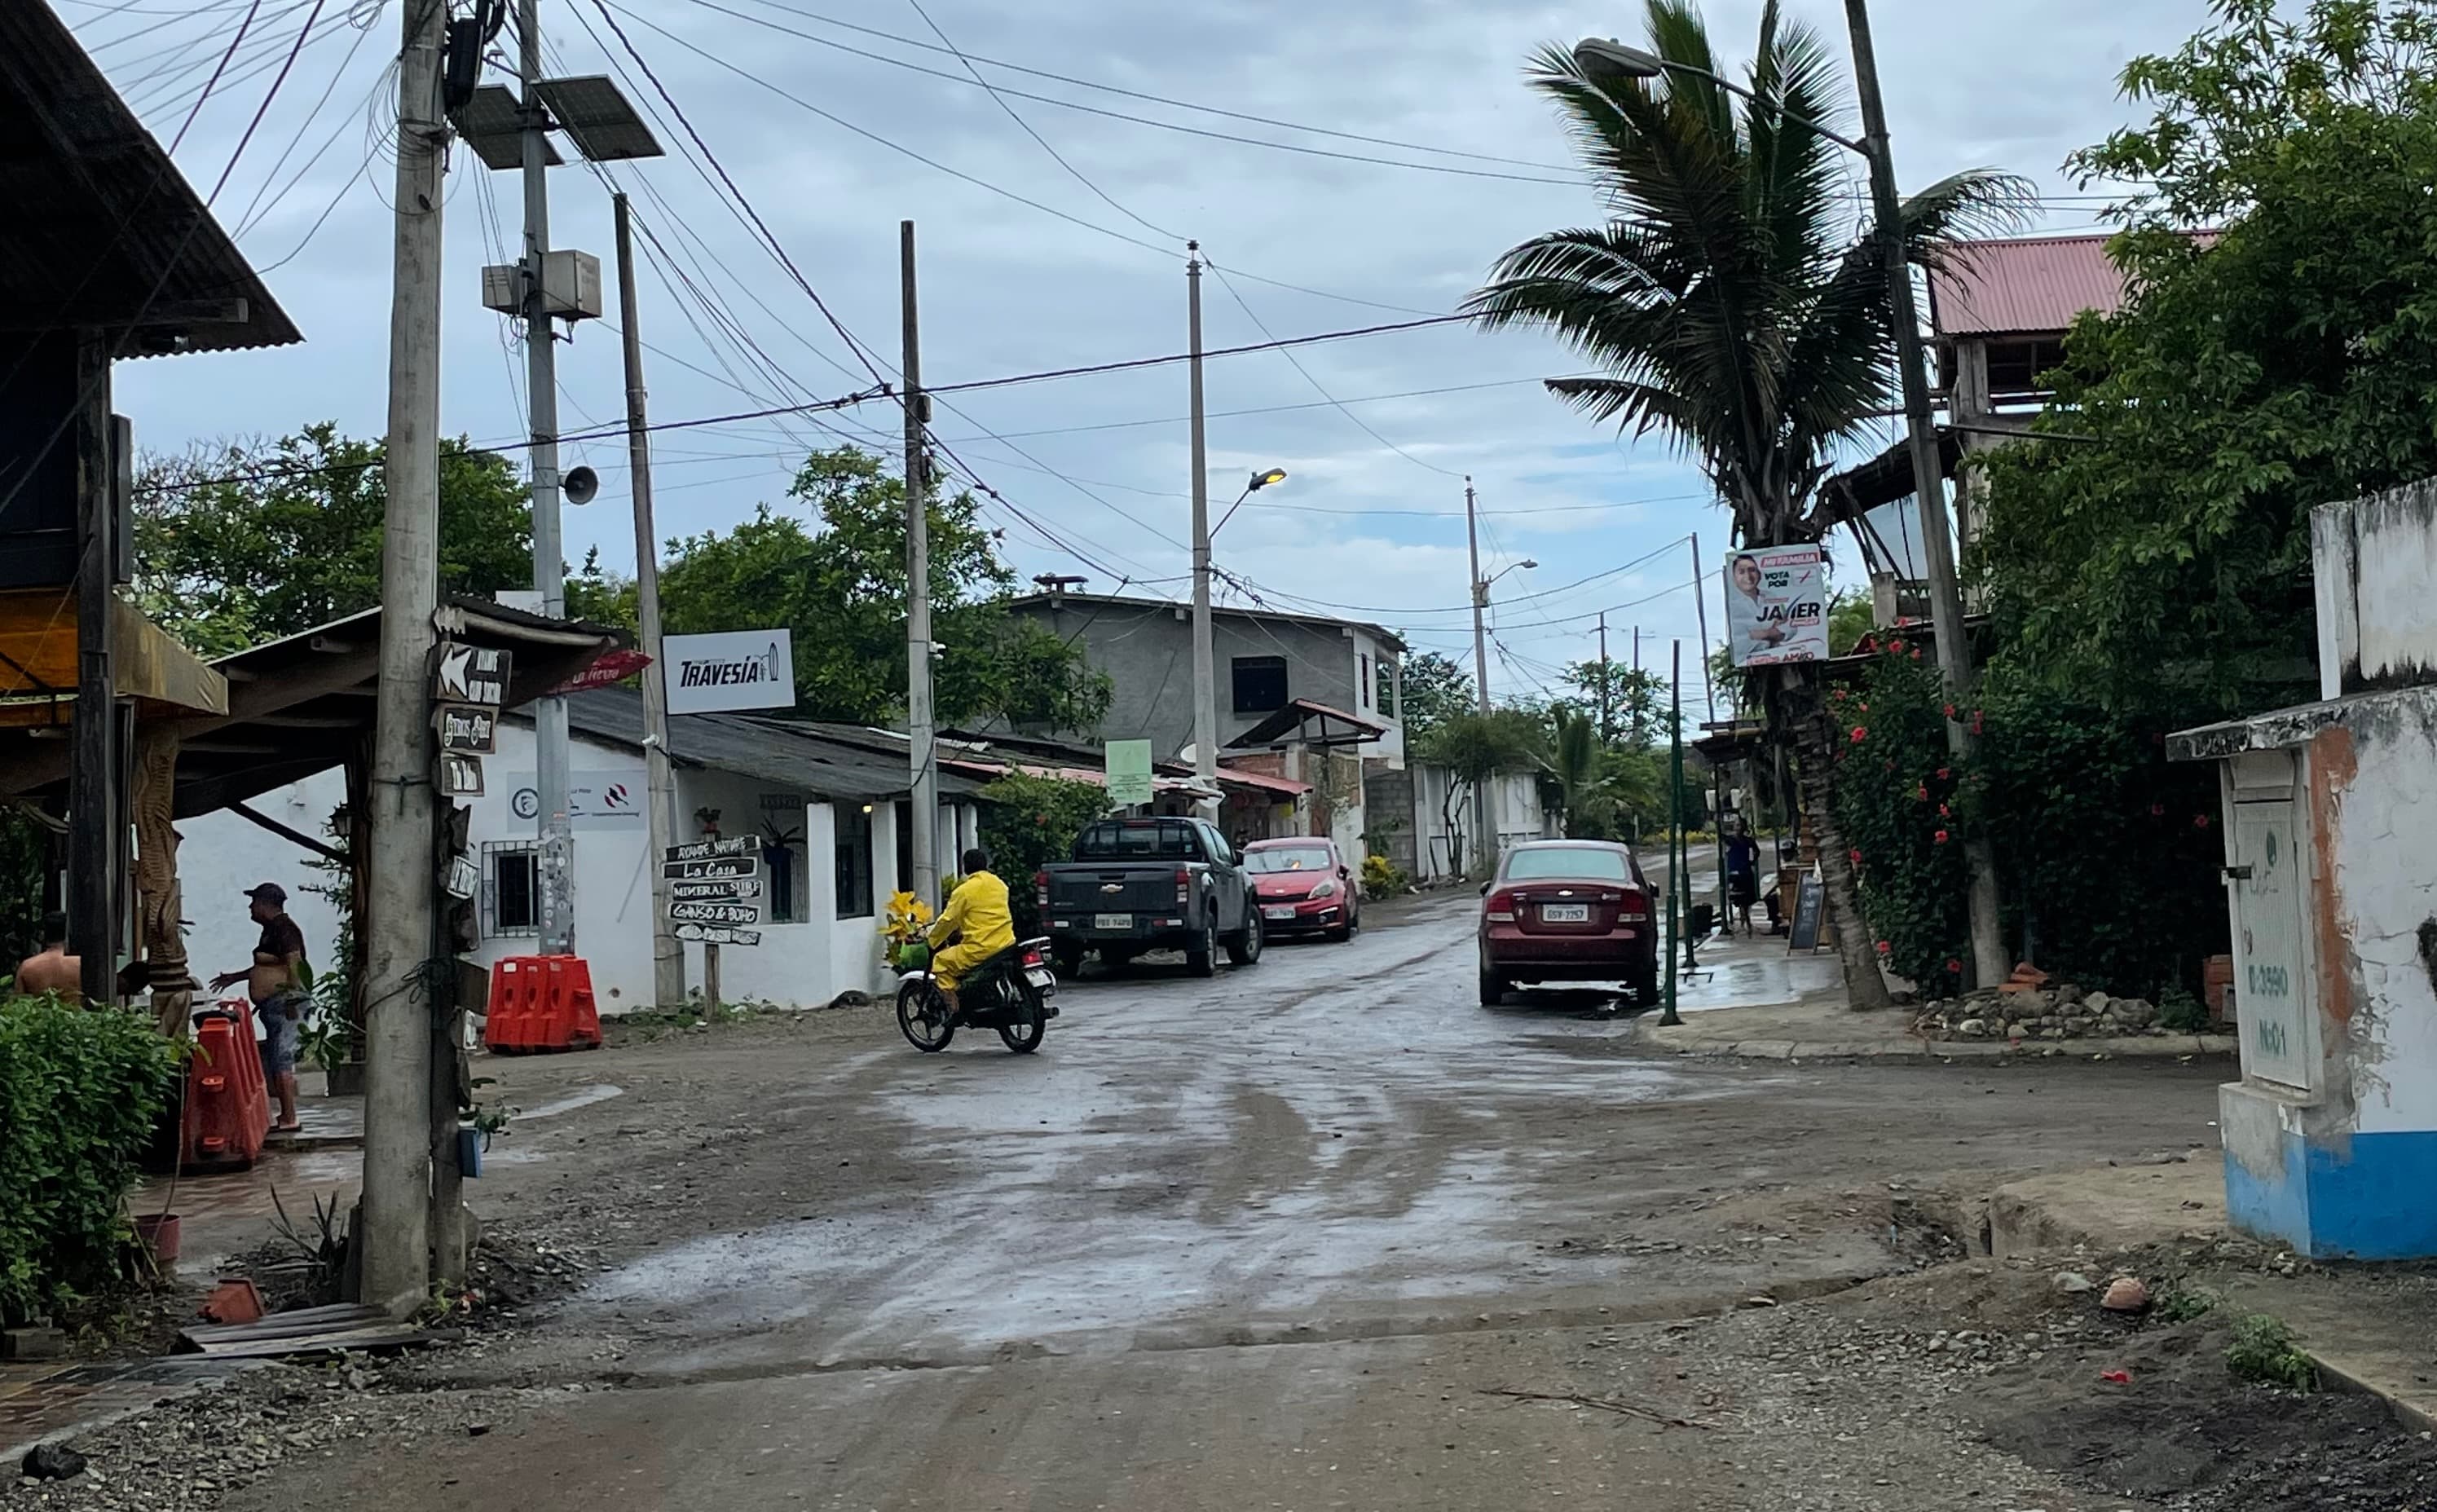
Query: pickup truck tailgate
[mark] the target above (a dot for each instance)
(1081, 889)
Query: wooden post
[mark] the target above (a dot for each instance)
(710, 979)
(94, 926)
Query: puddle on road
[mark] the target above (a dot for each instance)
(600, 1093)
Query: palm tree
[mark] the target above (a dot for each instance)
(1736, 307)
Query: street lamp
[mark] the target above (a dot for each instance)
(1595, 54)
(1260, 481)
(1205, 680)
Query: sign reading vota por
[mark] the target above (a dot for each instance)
(734, 669)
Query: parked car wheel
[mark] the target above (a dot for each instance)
(1492, 989)
(1245, 947)
(1068, 958)
(1201, 957)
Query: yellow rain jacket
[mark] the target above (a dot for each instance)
(977, 909)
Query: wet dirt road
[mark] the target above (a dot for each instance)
(1272, 1239)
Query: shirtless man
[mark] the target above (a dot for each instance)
(54, 970)
(276, 982)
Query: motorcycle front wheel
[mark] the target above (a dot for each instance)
(922, 1015)
(1024, 1034)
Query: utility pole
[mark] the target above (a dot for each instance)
(1205, 675)
(1929, 485)
(399, 917)
(554, 864)
(96, 810)
(1603, 682)
(659, 780)
(921, 738)
(1484, 794)
(1678, 888)
(1709, 701)
(1639, 725)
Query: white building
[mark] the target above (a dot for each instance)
(831, 815)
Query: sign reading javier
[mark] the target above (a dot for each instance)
(733, 669)
(1776, 606)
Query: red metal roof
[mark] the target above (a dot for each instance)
(2021, 284)
(1236, 775)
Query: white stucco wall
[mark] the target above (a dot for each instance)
(220, 855)
(2385, 894)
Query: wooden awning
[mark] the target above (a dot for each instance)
(38, 663)
(1301, 721)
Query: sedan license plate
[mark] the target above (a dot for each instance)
(1277, 913)
(1113, 920)
(1565, 913)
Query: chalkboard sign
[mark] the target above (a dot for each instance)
(1810, 903)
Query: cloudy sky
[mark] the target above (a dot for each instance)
(837, 119)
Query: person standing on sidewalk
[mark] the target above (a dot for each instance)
(1743, 873)
(276, 983)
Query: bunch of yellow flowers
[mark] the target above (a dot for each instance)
(902, 925)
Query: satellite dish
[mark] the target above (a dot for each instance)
(579, 485)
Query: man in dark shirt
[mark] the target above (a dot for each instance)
(276, 983)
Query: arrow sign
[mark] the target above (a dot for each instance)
(704, 849)
(715, 891)
(718, 935)
(717, 913)
(700, 870)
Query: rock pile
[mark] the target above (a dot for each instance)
(2061, 1012)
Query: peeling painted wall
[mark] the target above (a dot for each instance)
(2372, 563)
(2375, 802)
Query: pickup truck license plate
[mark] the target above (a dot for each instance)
(1113, 920)
(1277, 913)
(1565, 913)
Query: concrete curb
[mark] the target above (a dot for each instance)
(2413, 1405)
(1922, 1051)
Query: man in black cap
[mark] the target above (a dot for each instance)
(276, 983)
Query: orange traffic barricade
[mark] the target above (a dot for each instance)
(228, 1106)
(541, 1005)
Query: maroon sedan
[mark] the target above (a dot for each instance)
(1303, 886)
(1568, 911)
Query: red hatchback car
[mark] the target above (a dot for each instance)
(1303, 886)
(1568, 911)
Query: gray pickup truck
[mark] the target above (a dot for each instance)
(1148, 884)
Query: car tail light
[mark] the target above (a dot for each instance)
(1633, 910)
(1183, 888)
(1501, 907)
(1040, 886)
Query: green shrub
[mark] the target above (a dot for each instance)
(1382, 878)
(78, 1093)
(1028, 822)
(2262, 1351)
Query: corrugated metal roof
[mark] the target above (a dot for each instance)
(100, 225)
(1221, 612)
(771, 750)
(2022, 285)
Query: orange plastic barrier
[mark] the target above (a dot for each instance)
(228, 1107)
(541, 1005)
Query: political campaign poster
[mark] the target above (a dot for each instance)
(1776, 606)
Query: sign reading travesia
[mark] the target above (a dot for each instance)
(734, 669)
(1776, 606)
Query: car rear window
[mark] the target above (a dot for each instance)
(1138, 840)
(1287, 858)
(1586, 863)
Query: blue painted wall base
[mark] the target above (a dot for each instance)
(2368, 1197)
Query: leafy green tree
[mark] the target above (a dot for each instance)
(839, 584)
(1028, 822)
(1433, 688)
(2158, 559)
(1733, 304)
(241, 542)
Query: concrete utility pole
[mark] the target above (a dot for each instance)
(921, 735)
(394, 1234)
(659, 780)
(1484, 794)
(1603, 686)
(1945, 594)
(1205, 677)
(554, 866)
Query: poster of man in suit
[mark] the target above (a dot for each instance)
(1776, 606)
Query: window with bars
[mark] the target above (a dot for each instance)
(511, 895)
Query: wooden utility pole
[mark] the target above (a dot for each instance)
(95, 813)
(920, 737)
(1484, 794)
(1603, 682)
(394, 1234)
(660, 779)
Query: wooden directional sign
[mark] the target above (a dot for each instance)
(470, 674)
(470, 729)
(718, 935)
(737, 891)
(736, 867)
(717, 913)
(707, 849)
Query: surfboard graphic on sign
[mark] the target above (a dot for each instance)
(734, 669)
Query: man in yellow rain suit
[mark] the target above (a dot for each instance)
(977, 913)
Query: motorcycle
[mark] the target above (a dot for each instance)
(1009, 992)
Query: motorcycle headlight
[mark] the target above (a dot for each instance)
(1326, 888)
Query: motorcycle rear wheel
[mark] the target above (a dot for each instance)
(1024, 1033)
(922, 1017)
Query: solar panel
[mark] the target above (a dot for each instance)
(595, 116)
(491, 124)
